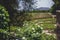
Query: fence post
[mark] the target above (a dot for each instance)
(58, 24)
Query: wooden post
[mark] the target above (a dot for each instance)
(58, 24)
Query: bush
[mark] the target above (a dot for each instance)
(29, 31)
(4, 17)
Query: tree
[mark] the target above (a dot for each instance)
(16, 18)
(57, 7)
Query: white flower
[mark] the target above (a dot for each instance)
(23, 24)
(37, 33)
(38, 25)
(5, 22)
(18, 29)
(4, 17)
(27, 24)
(17, 39)
(5, 31)
(4, 25)
(54, 35)
(3, 14)
(33, 28)
(48, 33)
(0, 14)
(15, 34)
(23, 37)
(2, 9)
(55, 25)
(34, 31)
(41, 27)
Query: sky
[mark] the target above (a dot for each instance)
(44, 3)
(38, 4)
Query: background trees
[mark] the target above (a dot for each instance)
(16, 16)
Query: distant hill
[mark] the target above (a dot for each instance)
(42, 8)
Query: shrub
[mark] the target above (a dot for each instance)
(4, 17)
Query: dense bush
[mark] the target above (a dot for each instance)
(4, 17)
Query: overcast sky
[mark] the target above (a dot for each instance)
(44, 3)
(39, 3)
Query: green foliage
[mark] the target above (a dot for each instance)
(29, 31)
(4, 17)
(48, 37)
(56, 2)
